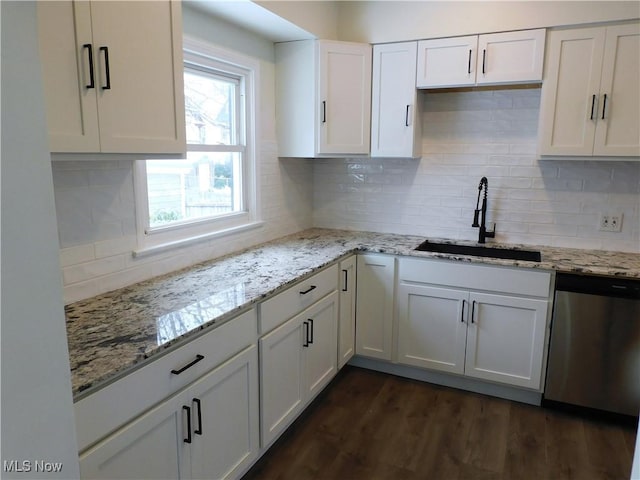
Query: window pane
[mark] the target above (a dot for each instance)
(210, 109)
(205, 184)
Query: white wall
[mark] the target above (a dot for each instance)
(95, 200)
(468, 135)
(393, 21)
(318, 17)
(37, 408)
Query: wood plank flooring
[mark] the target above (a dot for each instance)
(368, 425)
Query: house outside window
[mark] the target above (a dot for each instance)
(213, 190)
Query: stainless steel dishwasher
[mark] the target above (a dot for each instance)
(594, 355)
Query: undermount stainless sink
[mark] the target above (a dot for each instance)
(479, 251)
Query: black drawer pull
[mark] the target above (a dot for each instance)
(189, 365)
(311, 288)
(604, 105)
(310, 320)
(469, 66)
(92, 83)
(462, 315)
(346, 281)
(593, 106)
(198, 431)
(107, 86)
(306, 334)
(188, 410)
(484, 58)
(473, 310)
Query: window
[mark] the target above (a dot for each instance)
(213, 190)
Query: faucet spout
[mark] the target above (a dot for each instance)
(480, 213)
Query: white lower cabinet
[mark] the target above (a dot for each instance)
(208, 430)
(374, 306)
(491, 336)
(347, 317)
(297, 360)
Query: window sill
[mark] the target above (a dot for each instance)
(144, 252)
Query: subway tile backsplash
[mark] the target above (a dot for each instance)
(468, 135)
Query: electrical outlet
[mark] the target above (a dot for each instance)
(611, 222)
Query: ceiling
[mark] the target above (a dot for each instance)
(253, 17)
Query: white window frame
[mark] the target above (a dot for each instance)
(178, 234)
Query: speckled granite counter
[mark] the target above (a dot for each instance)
(115, 332)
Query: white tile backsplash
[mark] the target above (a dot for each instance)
(96, 221)
(467, 135)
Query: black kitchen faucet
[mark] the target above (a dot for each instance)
(483, 234)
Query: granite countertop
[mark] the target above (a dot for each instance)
(111, 334)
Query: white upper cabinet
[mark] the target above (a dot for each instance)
(113, 76)
(323, 98)
(447, 62)
(492, 59)
(510, 57)
(395, 119)
(590, 103)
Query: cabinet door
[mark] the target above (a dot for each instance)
(344, 98)
(321, 346)
(347, 320)
(505, 339)
(447, 62)
(281, 378)
(225, 413)
(395, 124)
(152, 446)
(432, 327)
(143, 108)
(64, 28)
(618, 124)
(510, 57)
(569, 102)
(374, 306)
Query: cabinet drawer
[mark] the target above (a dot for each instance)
(110, 407)
(285, 305)
(508, 280)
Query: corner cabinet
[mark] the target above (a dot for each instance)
(590, 104)
(395, 119)
(323, 98)
(483, 322)
(491, 59)
(113, 80)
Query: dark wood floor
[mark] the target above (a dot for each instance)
(368, 425)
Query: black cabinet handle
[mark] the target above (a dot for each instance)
(198, 431)
(324, 111)
(473, 310)
(107, 86)
(188, 410)
(406, 117)
(484, 58)
(306, 334)
(593, 106)
(604, 105)
(189, 365)
(310, 320)
(469, 66)
(462, 314)
(311, 288)
(92, 83)
(346, 280)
